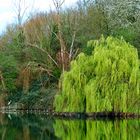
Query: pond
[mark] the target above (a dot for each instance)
(41, 127)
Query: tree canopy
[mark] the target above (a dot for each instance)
(106, 79)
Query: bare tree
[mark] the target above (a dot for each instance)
(20, 10)
(58, 4)
(65, 54)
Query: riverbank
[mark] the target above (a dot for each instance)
(70, 115)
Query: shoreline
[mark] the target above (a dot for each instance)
(71, 115)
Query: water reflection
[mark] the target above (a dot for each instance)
(27, 127)
(31, 127)
(98, 130)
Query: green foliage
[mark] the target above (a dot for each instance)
(75, 129)
(29, 100)
(8, 66)
(127, 35)
(106, 80)
(37, 41)
(38, 99)
(97, 129)
(131, 37)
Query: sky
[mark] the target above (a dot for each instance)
(8, 9)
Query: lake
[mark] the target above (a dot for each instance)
(41, 127)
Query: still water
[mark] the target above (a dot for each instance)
(31, 127)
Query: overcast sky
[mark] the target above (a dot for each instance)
(8, 14)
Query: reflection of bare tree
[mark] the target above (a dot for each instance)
(3, 134)
(26, 132)
(44, 127)
(16, 128)
(3, 122)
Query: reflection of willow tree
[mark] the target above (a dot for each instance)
(70, 130)
(97, 130)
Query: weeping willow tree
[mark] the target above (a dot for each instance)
(107, 79)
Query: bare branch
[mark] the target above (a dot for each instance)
(44, 52)
(76, 52)
(58, 4)
(72, 44)
(20, 8)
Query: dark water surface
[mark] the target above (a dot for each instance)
(31, 127)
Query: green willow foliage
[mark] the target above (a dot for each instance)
(105, 80)
(97, 129)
